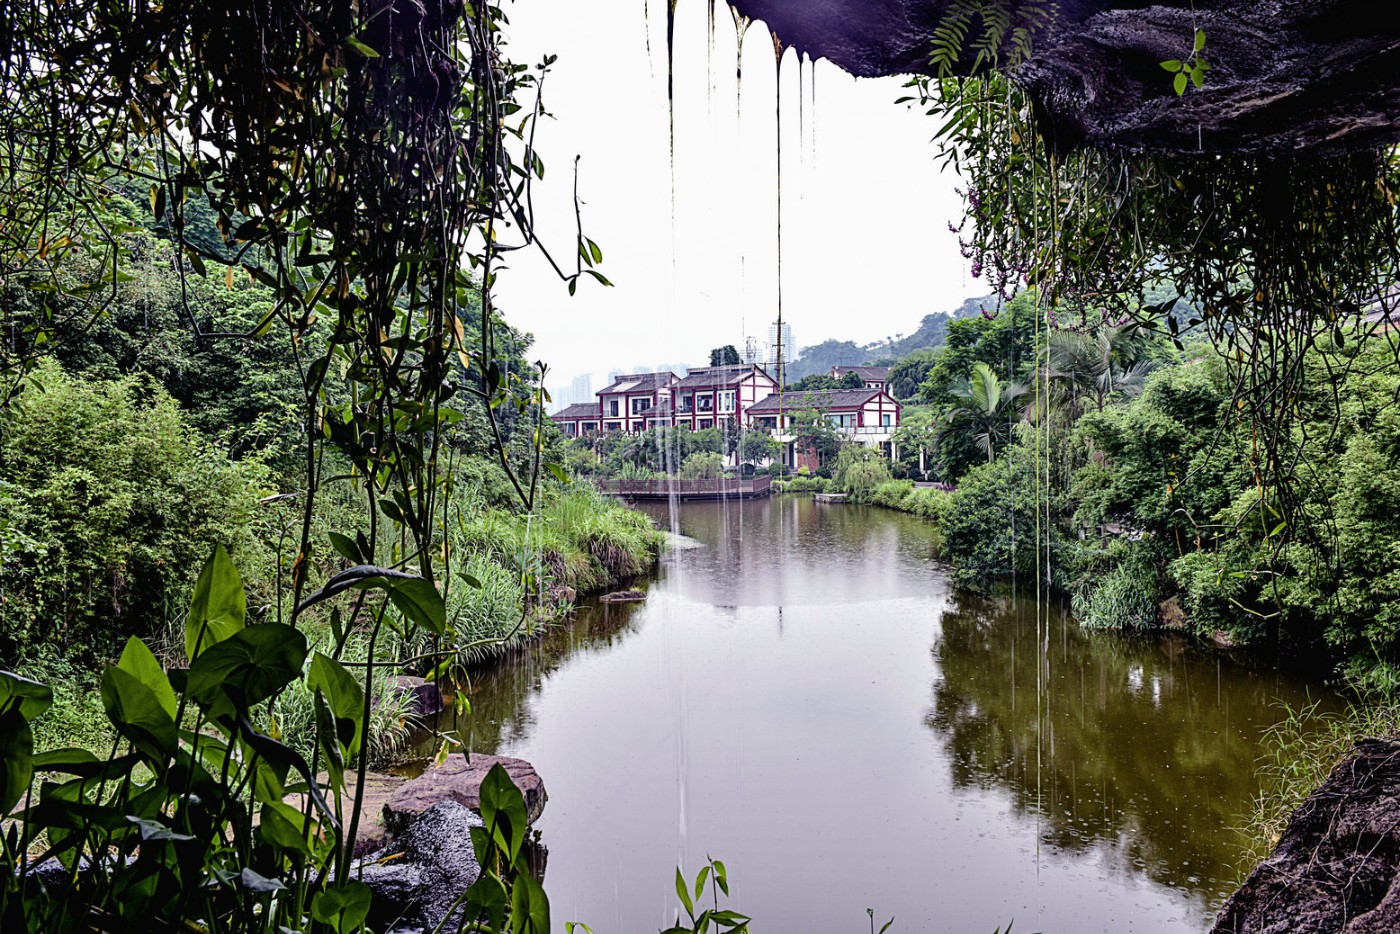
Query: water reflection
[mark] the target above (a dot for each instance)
(804, 697)
(1143, 749)
(793, 551)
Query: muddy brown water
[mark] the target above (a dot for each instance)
(804, 696)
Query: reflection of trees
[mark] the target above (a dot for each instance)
(500, 692)
(1143, 749)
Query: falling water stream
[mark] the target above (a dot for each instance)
(853, 734)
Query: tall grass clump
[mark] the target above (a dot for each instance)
(1300, 751)
(1125, 598)
(517, 571)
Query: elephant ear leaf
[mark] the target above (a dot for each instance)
(16, 758)
(219, 607)
(30, 698)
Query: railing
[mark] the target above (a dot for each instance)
(755, 486)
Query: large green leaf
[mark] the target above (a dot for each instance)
(219, 607)
(138, 661)
(415, 598)
(529, 906)
(344, 908)
(339, 713)
(247, 668)
(503, 811)
(344, 696)
(138, 713)
(284, 826)
(420, 603)
(30, 697)
(488, 898)
(16, 758)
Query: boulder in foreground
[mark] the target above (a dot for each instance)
(1336, 869)
(459, 779)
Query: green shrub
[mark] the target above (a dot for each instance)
(1124, 598)
(859, 470)
(994, 529)
(111, 501)
(702, 466)
(801, 484)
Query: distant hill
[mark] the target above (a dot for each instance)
(932, 331)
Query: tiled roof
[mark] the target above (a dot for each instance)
(639, 382)
(717, 376)
(825, 400)
(577, 410)
(866, 372)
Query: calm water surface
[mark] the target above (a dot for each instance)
(803, 696)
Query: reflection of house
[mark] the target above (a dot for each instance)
(705, 397)
(866, 416)
(623, 402)
(875, 377)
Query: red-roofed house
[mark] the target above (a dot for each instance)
(623, 404)
(866, 416)
(875, 377)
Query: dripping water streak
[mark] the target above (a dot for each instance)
(646, 31)
(801, 108)
(778, 98)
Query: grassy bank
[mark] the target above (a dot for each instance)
(1300, 751)
(517, 572)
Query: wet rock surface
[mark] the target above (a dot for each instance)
(459, 779)
(1336, 869)
(424, 698)
(1286, 75)
(418, 876)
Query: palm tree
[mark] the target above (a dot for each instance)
(1095, 368)
(984, 407)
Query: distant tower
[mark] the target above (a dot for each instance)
(752, 352)
(781, 348)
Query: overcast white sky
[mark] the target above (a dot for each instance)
(866, 247)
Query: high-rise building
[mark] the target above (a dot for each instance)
(580, 389)
(786, 349)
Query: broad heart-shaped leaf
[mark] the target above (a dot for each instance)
(344, 908)
(138, 714)
(503, 811)
(16, 758)
(420, 603)
(487, 897)
(529, 906)
(219, 607)
(282, 826)
(30, 697)
(138, 661)
(344, 697)
(247, 668)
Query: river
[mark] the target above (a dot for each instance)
(804, 696)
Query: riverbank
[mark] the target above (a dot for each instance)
(512, 578)
(794, 637)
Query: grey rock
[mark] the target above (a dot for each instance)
(425, 699)
(418, 876)
(1285, 75)
(1336, 869)
(459, 779)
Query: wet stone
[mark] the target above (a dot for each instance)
(1336, 869)
(459, 779)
